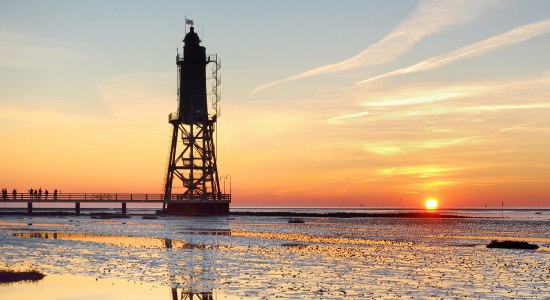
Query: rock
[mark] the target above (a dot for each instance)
(298, 221)
(512, 245)
(15, 276)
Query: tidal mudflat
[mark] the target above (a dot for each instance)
(253, 257)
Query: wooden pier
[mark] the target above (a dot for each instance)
(178, 204)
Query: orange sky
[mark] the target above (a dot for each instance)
(418, 103)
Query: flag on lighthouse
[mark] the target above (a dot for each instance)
(188, 22)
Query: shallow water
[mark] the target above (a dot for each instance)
(55, 287)
(267, 257)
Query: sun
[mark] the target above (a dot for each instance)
(431, 204)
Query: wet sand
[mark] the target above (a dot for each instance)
(251, 257)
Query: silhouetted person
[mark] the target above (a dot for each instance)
(35, 194)
(46, 193)
(14, 193)
(31, 193)
(40, 194)
(55, 194)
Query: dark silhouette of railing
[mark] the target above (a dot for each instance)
(107, 197)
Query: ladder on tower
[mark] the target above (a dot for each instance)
(216, 82)
(167, 167)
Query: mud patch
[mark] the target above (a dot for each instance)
(224, 232)
(116, 240)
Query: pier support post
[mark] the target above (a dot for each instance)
(198, 208)
(29, 207)
(123, 208)
(77, 208)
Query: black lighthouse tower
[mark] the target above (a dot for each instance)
(192, 185)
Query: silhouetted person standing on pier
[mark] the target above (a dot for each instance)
(55, 194)
(40, 194)
(14, 193)
(31, 193)
(46, 193)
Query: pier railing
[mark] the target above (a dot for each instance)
(107, 197)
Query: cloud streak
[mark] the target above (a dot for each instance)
(348, 116)
(399, 147)
(509, 38)
(426, 97)
(429, 17)
(20, 50)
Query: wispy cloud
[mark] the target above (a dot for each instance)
(420, 171)
(129, 95)
(509, 38)
(429, 17)
(398, 147)
(21, 50)
(348, 116)
(425, 97)
(43, 110)
(505, 91)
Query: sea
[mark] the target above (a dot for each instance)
(149, 256)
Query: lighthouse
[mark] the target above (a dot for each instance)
(192, 185)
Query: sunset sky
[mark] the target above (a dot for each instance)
(324, 103)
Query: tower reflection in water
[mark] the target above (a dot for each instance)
(190, 295)
(196, 288)
(192, 261)
(196, 277)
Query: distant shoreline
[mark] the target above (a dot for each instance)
(283, 214)
(414, 215)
